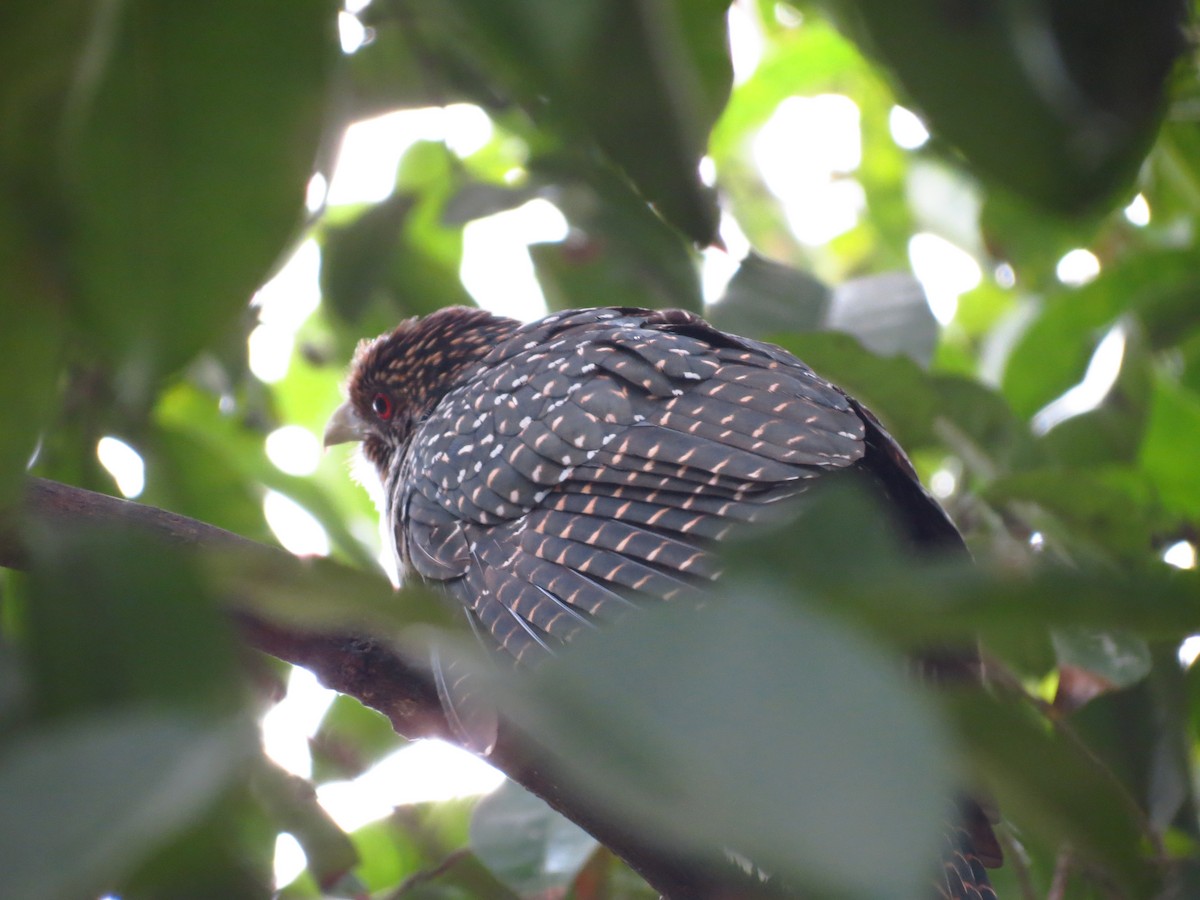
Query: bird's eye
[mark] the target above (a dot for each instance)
(382, 406)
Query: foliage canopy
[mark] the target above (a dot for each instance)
(153, 173)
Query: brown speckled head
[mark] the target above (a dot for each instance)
(399, 377)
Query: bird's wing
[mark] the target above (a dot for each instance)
(596, 457)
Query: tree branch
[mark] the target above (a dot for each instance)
(374, 673)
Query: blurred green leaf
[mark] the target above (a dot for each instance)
(1052, 354)
(1171, 447)
(323, 596)
(227, 853)
(213, 466)
(1054, 101)
(1115, 507)
(644, 82)
(424, 846)
(618, 253)
(351, 738)
(356, 256)
(747, 725)
(292, 801)
(889, 315)
(1021, 233)
(144, 631)
(87, 797)
(1119, 659)
(765, 297)
(1067, 794)
(1137, 731)
(478, 199)
(525, 843)
(846, 557)
(1112, 433)
(191, 141)
(31, 354)
(196, 476)
(398, 258)
(410, 62)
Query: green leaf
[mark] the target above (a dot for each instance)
(213, 466)
(1066, 795)
(1138, 732)
(619, 253)
(1018, 232)
(187, 162)
(478, 199)
(89, 797)
(847, 555)
(525, 843)
(1112, 433)
(398, 258)
(31, 351)
(889, 315)
(1119, 659)
(356, 256)
(750, 726)
(323, 596)
(1056, 101)
(1171, 447)
(350, 739)
(115, 617)
(644, 81)
(1112, 506)
(294, 808)
(397, 70)
(426, 843)
(227, 853)
(765, 297)
(1052, 354)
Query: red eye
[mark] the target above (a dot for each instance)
(382, 406)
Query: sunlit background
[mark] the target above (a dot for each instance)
(815, 186)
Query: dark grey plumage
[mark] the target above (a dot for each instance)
(551, 475)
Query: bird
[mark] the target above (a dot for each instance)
(551, 475)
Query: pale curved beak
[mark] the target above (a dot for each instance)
(344, 426)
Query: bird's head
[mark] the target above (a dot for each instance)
(397, 379)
